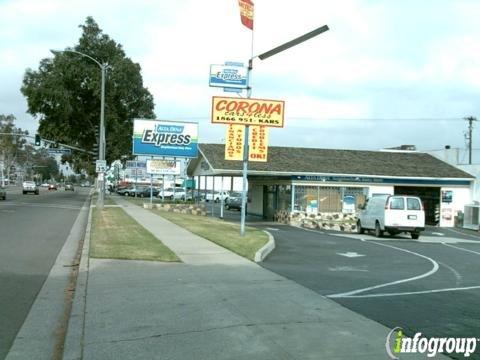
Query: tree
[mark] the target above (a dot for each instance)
(11, 146)
(65, 94)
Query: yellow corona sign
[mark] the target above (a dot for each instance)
(257, 143)
(226, 110)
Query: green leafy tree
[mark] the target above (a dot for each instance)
(64, 93)
(12, 143)
(44, 166)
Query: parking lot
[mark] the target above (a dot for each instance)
(431, 285)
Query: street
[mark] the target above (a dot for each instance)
(33, 230)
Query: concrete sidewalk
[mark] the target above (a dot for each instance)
(214, 305)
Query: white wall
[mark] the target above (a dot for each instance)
(380, 189)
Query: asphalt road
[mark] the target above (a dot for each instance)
(430, 286)
(33, 229)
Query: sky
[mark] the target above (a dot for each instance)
(386, 73)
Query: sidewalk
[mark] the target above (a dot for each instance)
(214, 305)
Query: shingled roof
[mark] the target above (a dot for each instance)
(293, 160)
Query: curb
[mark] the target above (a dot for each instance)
(266, 249)
(73, 347)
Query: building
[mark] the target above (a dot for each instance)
(337, 181)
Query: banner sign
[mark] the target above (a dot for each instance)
(230, 76)
(163, 167)
(165, 138)
(228, 110)
(257, 143)
(235, 139)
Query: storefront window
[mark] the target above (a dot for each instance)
(315, 199)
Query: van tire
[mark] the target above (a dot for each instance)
(360, 230)
(378, 230)
(415, 235)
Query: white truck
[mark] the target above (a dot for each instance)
(393, 214)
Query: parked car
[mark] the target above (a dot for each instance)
(69, 187)
(216, 196)
(3, 193)
(393, 214)
(171, 194)
(126, 191)
(30, 187)
(52, 186)
(145, 191)
(234, 201)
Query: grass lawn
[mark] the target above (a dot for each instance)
(220, 232)
(115, 235)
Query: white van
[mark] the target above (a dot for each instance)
(392, 213)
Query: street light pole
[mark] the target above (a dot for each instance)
(101, 140)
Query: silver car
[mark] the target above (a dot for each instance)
(30, 187)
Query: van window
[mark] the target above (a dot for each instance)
(397, 203)
(413, 204)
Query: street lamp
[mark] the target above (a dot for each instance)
(101, 142)
(264, 56)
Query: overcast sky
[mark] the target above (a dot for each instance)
(387, 73)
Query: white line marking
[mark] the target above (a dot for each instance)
(459, 248)
(437, 233)
(406, 293)
(358, 291)
(350, 254)
(455, 272)
(272, 229)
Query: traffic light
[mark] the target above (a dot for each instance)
(38, 140)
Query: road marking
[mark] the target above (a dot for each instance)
(437, 233)
(350, 254)
(272, 229)
(458, 277)
(359, 291)
(346, 268)
(407, 293)
(459, 248)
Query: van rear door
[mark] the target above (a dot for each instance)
(404, 213)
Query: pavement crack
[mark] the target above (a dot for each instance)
(217, 328)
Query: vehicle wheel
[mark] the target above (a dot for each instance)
(23, 192)
(227, 207)
(415, 235)
(127, 194)
(378, 230)
(141, 195)
(37, 193)
(360, 230)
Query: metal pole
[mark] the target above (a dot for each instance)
(151, 187)
(221, 200)
(213, 195)
(163, 188)
(244, 184)
(101, 150)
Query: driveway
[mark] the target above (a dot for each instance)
(431, 285)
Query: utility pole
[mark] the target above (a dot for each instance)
(470, 120)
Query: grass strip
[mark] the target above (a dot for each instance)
(220, 232)
(115, 235)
